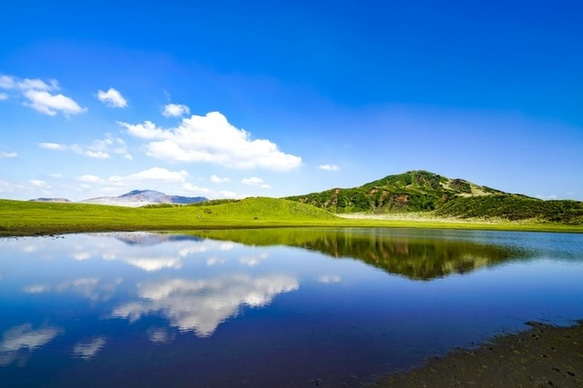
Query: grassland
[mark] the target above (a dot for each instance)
(423, 191)
(19, 218)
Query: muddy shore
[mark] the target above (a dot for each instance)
(543, 356)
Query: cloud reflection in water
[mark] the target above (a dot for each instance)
(18, 342)
(201, 305)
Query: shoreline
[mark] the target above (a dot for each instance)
(544, 355)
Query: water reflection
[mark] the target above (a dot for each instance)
(416, 257)
(268, 307)
(89, 348)
(201, 305)
(18, 342)
(90, 288)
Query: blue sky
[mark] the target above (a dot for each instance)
(233, 99)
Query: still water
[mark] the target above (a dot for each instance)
(279, 307)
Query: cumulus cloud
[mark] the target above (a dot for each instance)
(175, 110)
(255, 181)
(216, 179)
(329, 167)
(112, 98)
(51, 104)
(212, 139)
(41, 95)
(8, 155)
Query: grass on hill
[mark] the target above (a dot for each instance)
(514, 208)
(29, 218)
(36, 218)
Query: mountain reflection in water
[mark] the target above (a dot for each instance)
(419, 258)
(270, 307)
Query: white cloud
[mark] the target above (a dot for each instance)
(329, 167)
(9, 187)
(28, 84)
(3, 96)
(88, 349)
(7, 82)
(255, 181)
(40, 184)
(56, 176)
(212, 139)
(203, 191)
(112, 98)
(89, 179)
(39, 96)
(98, 149)
(161, 174)
(8, 155)
(148, 130)
(216, 179)
(50, 104)
(153, 174)
(175, 110)
(53, 146)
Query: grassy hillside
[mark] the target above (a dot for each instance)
(514, 208)
(422, 191)
(31, 218)
(19, 217)
(410, 191)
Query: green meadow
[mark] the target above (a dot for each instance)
(20, 218)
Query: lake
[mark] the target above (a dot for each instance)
(275, 307)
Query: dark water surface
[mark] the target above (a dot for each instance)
(278, 307)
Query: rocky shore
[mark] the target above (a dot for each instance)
(543, 356)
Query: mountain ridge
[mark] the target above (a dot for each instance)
(134, 198)
(424, 191)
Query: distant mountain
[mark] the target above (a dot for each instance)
(60, 200)
(137, 198)
(423, 191)
(149, 239)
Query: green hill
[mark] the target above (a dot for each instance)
(25, 218)
(423, 191)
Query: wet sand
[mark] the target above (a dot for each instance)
(543, 356)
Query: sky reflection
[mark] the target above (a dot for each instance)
(269, 307)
